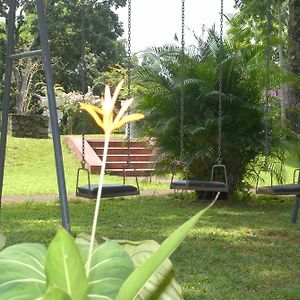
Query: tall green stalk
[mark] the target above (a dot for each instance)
(98, 202)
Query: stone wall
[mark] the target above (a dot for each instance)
(34, 126)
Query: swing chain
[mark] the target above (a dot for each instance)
(219, 159)
(267, 88)
(83, 151)
(129, 56)
(129, 61)
(182, 80)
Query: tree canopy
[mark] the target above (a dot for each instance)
(84, 41)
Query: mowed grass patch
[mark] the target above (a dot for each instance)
(237, 250)
(30, 169)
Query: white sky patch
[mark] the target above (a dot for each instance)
(155, 22)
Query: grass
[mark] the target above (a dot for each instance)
(238, 250)
(30, 169)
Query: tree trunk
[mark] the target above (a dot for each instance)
(24, 71)
(293, 100)
(283, 87)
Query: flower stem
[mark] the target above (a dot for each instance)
(98, 202)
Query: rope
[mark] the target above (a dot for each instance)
(219, 159)
(182, 80)
(129, 67)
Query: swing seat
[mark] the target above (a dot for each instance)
(108, 190)
(284, 189)
(203, 185)
(199, 185)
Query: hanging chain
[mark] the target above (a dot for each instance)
(267, 87)
(83, 151)
(182, 80)
(82, 65)
(129, 67)
(219, 159)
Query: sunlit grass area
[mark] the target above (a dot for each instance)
(30, 169)
(238, 250)
(286, 170)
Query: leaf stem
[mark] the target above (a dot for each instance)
(98, 202)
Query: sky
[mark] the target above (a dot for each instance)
(155, 22)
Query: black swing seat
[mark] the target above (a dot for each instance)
(199, 185)
(108, 190)
(203, 185)
(284, 189)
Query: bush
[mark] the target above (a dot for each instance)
(74, 121)
(243, 133)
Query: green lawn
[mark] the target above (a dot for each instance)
(291, 162)
(240, 250)
(30, 168)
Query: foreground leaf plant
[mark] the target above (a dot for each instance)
(82, 269)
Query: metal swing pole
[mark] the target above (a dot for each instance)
(10, 57)
(7, 86)
(53, 115)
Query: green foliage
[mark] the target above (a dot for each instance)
(250, 25)
(112, 77)
(242, 107)
(162, 282)
(74, 121)
(62, 260)
(61, 274)
(139, 277)
(85, 40)
(30, 271)
(22, 271)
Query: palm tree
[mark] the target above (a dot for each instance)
(242, 107)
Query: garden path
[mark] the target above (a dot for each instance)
(54, 197)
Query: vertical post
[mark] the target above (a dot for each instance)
(295, 209)
(7, 86)
(53, 115)
(296, 205)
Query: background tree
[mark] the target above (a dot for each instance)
(255, 24)
(84, 41)
(88, 30)
(294, 65)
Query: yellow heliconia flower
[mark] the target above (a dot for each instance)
(104, 115)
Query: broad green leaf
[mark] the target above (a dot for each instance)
(64, 266)
(55, 293)
(84, 239)
(136, 281)
(110, 267)
(22, 274)
(162, 284)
